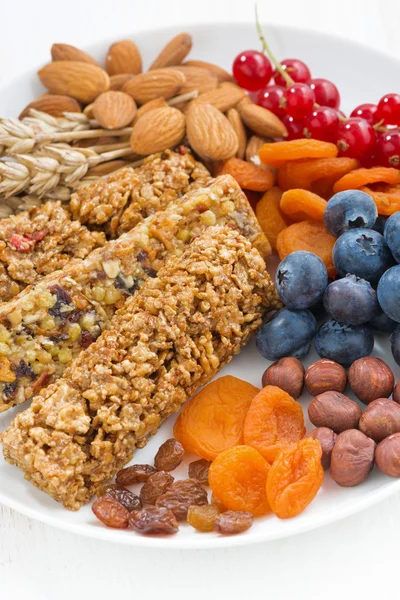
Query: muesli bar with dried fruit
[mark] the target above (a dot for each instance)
(38, 242)
(124, 198)
(48, 324)
(169, 339)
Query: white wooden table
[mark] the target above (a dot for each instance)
(357, 557)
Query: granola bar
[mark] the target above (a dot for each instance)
(48, 324)
(170, 338)
(40, 241)
(126, 197)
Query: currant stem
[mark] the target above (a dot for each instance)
(268, 51)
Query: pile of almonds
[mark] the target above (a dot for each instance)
(174, 101)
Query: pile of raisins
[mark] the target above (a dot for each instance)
(163, 502)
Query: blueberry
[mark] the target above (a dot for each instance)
(344, 343)
(380, 224)
(286, 333)
(392, 235)
(381, 322)
(389, 293)
(301, 279)
(362, 252)
(349, 210)
(351, 300)
(395, 341)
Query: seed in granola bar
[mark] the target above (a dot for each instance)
(198, 469)
(202, 518)
(233, 521)
(153, 520)
(110, 512)
(24, 370)
(135, 474)
(124, 496)
(155, 486)
(169, 456)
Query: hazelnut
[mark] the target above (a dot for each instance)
(286, 373)
(380, 419)
(334, 410)
(324, 376)
(327, 439)
(352, 458)
(396, 393)
(387, 455)
(371, 378)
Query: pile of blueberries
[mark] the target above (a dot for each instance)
(364, 297)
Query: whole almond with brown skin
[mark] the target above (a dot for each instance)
(156, 103)
(371, 378)
(117, 82)
(396, 393)
(163, 83)
(123, 57)
(324, 376)
(262, 121)
(220, 73)
(197, 79)
(114, 110)
(387, 455)
(240, 130)
(209, 132)
(224, 97)
(80, 80)
(174, 52)
(286, 373)
(334, 410)
(158, 130)
(253, 145)
(67, 52)
(52, 104)
(327, 439)
(380, 419)
(352, 458)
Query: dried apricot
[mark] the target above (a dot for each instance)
(273, 421)
(212, 420)
(238, 479)
(247, 175)
(277, 153)
(308, 235)
(314, 174)
(360, 177)
(386, 198)
(270, 216)
(295, 478)
(304, 203)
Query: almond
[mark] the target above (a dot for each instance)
(114, 110)
(163, 83)
(174, 52)
(224, 97)
(88, 111)
(253, 146)
(156, 103)
(197, 79)
(220, 73)
(80, 80)
(52, 104)
(123, 57)
(117, 82)
(240, 130)
(67, 52)
(262, 121)
(158, 130)
(209, 132)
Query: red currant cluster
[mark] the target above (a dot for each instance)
(309, 107)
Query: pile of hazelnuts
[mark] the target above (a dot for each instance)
(352, 441)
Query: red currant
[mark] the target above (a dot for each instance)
(326, 92)
(294, 128)
(252, 70)
(297, 70)
(299, 100)
(367, 112)
(389, 109)
(355, 138)
(388, 148)
(322, 124)
(270, 97)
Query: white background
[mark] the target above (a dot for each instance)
(355, 558)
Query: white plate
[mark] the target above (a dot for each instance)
(345, 63)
